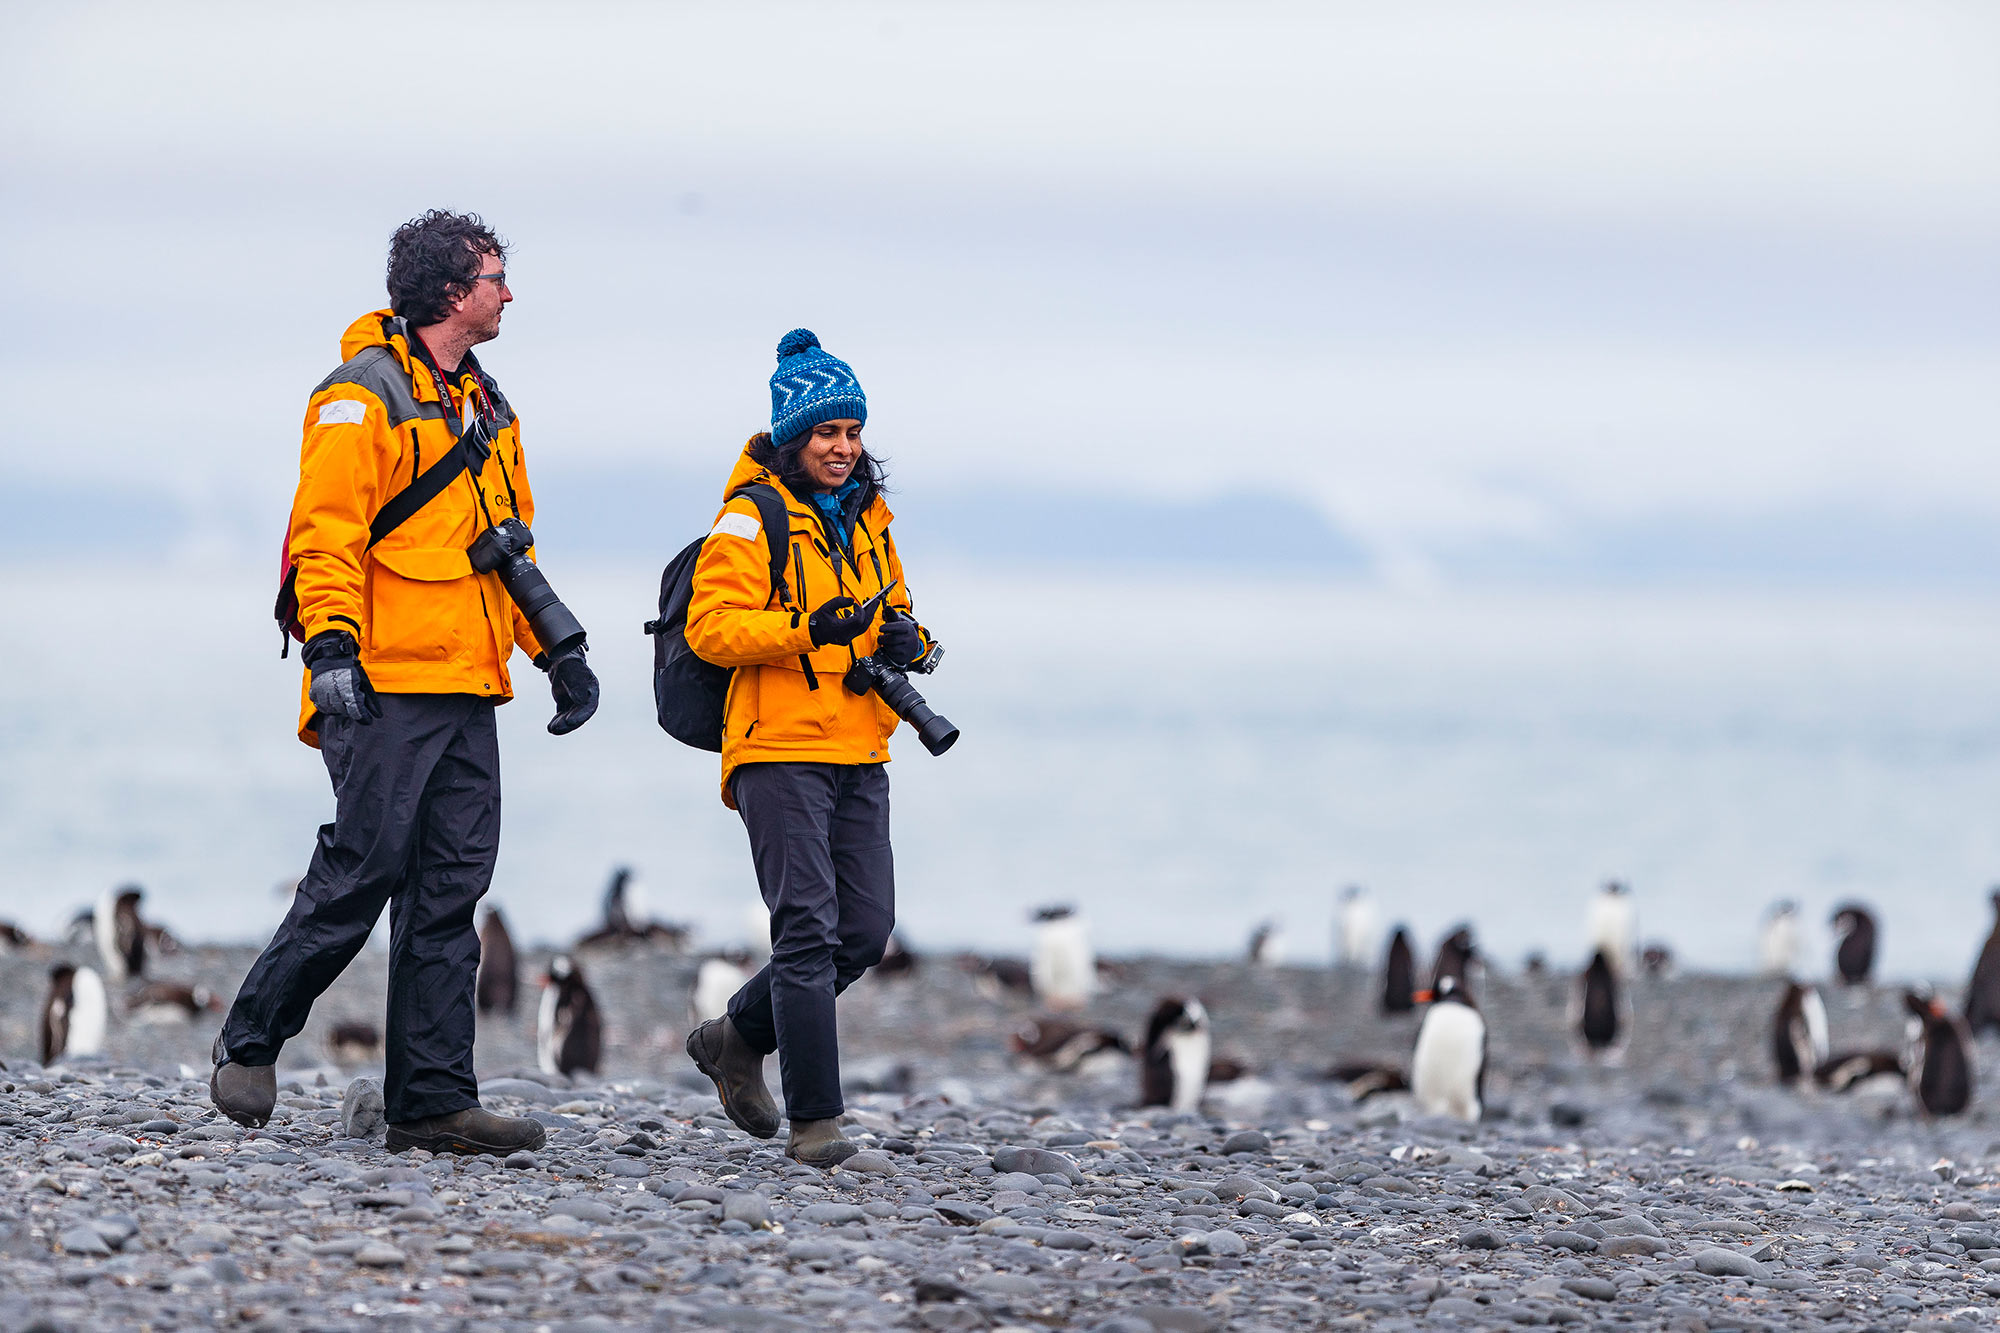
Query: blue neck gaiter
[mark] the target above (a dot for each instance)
(834, 505)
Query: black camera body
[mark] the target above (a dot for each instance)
(894, 689)
(503, 549)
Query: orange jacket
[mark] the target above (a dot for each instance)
(786, 700)
(425, 622)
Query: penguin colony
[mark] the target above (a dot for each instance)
(1176, 1063)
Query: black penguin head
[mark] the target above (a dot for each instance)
(1448, 992)
(61, 976)
(1351, 892)
(1616, 888)
(1054, 912)
(1174, 1013)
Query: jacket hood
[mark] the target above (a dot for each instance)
(749, 470)
(385, 328)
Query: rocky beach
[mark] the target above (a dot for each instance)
(1677, 1188)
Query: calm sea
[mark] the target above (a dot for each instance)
(1181, 759)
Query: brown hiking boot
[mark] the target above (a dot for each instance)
(246, 1094)
(818, 1143)
(473, 1130)
(738, 1072)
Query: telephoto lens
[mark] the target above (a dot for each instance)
(895, 690)
(503, 549)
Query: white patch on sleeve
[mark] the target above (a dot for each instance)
(342, 411)
(738, 525)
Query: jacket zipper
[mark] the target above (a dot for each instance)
(799, 572)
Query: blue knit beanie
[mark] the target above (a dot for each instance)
(811, 386)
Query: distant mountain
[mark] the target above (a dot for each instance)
(648, 515)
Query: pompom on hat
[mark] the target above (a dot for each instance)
(810, 386)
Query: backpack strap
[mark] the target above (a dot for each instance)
(771, 509)
(419, 493)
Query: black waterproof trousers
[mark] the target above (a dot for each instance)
(819, 834)
(417, 822)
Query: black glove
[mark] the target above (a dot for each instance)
(901, 640)
(340, 687)
(835, 622)
(574, 685)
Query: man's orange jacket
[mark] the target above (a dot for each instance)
(426, 623)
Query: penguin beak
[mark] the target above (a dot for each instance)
(1424, 996)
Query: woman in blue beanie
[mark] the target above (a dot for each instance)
(803, 757)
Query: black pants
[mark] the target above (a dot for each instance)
(819, 834)
(417, 822)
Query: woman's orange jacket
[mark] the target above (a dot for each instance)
(425, 622)
(786, 700)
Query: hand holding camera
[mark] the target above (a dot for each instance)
(340, 687)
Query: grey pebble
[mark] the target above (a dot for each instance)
(1728, 1263)
(379, 1254)
(362, 1114)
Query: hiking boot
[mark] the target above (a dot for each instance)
(738, 1072)
(246, 1094)
(473, 1130)
(818, 1143)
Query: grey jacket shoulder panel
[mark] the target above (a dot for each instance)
(376, 370)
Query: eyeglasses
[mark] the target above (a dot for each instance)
(500, 277)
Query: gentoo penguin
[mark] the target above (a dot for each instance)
(1798, 1033)
(1657, 961)
(897, 960)
(1455, 958)
(1611, 927)
(1778, 941)
(120, 935)
(1063, 966)
(1599, 1016)
(1846, 1071)
(1448, 1067)
(1267, 945)
(1982, 996)
(170, 1002)
(997, 979)
(1940, 1062)
(1854, 959)
(354, 1043)
(498, 988)
(1062, 1043)
(1359, 928)
(74, 1014)
(1365, 1079)
(1173, 1068)
(626, 918)
(717, 980)
(569, 1034)
(1226, 1069)
(1399, 975)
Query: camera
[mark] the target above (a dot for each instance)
(503, 549)
(894, 689)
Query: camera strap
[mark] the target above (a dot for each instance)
(431, 483)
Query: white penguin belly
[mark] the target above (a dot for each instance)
(1444, 1071)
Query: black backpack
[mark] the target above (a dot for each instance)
(688, 693)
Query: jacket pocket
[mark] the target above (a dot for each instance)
(423, 605)
(786, 709)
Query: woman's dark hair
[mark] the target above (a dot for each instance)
(433, 261)
(783, 459)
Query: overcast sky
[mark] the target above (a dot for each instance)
(1451, 270)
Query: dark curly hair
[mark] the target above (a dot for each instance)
(783, 459)
(433, 261)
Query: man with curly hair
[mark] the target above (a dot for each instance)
(411, 452)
